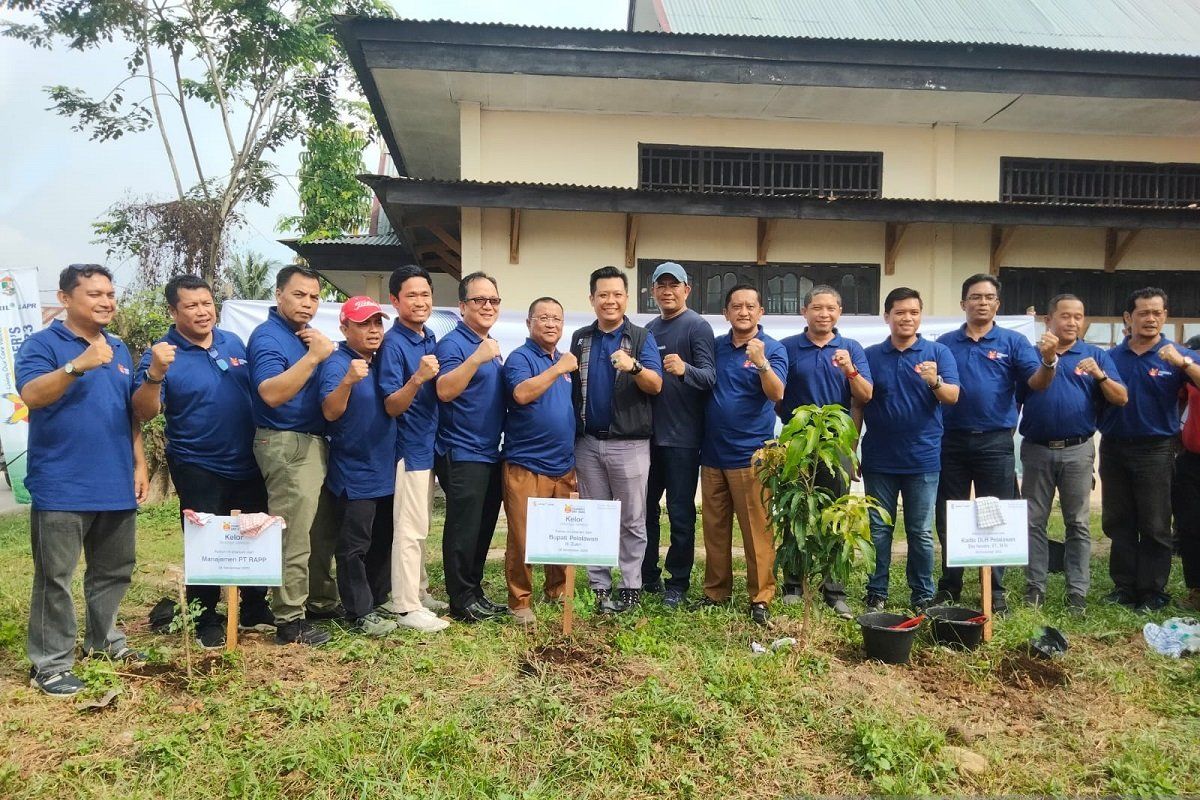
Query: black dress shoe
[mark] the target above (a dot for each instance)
(1152, 603)
(653, 587)
(1121, 597)
(759, 614)
(335, 613)
(475, 612)
(495, 608)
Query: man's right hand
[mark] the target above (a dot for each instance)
(674, 365)
(97, 355)
(318, 344)
(929, 372)
(567, 363)
(162, 356)
(427, 369)
(488, 350)
(356, 372)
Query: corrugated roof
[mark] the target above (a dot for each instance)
(1152, 27)
(385, 240)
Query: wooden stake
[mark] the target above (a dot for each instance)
(233, 609)
(569, 592)
(985, 583)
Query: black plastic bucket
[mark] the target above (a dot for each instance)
(883, 644)
(950, 626)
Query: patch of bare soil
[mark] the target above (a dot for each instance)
(1022, 671)
(563, 656)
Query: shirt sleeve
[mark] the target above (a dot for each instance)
(947, 366)
(778, 359)
(858, 357)
(449, 356)
(1026, 359)
(331, 374)
(34, 360)
(393, 372)
(517, 370)
(266, 360)
(649, 356)
(702, 374)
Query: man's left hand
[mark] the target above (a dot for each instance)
(674, 365)
(756, 352)
(622, 361)
(842, 360)
(1169, 354)
(141, 484)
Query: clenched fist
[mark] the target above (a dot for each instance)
(427, 369)
(841, 360)
(674, 365)
(1088, 366)
(929, 372)
(358, 370)
(622, 361)
(567, 363)
(162, 356)
(1048, 347)
(98, 354)
(488, 350)
(1169, 354)
(318, 344)
(756, 352)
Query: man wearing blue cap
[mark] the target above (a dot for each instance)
(685, 342)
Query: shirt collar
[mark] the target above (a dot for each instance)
(757, 335)
(987, 337)
(411, 335)
(274, 316)
(916, 346)
(179, 340)
(60, 328)
(471, 335)
(804, 341)
(1162, 342)
(617, 332)
(536, 349)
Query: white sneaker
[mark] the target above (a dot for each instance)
(432, 603)
(422, 620)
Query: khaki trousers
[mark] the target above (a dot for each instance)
(410, 521)
(521, 484)
(725, 492)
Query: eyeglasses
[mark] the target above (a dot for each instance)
(548, 320)
(216, 357)
(480, 302)
(975, 298)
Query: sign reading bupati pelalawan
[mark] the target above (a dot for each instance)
(572, 532)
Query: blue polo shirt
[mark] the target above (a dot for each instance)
(813, 378)
(361, 462)
(1153, 384)
(1071, 406)
(274, 347)
(80, 450)
(469, 426)
(539, 436)
(206, 404)
(991, 369)
(739, 417)
(904, 418)
(602, 377)
(398, 358)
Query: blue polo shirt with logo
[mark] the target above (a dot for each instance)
(813, 378)
(991, 369)
(206, 404)
(361, 464)
(539, 436)
(904, 418)
(602, 376)
(80, 450)
(1153, 385)
(274, 348)
(739, 417)
(399, 358)
(1071, 406)
(469, 426)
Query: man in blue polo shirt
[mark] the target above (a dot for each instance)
(407, 367)
(620, 372)
(1057, 426)
(198, 376)
(362, 473)
(685, 341)
(539, 444)
(470, 389)
(913, 379)
(289, 445)
(824, 368)
(739, 417)
(993, 363)
(87, 475)
(1137, 451)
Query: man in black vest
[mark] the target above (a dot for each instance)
(619, 371)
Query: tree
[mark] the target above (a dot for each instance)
(260, 71)
(251, 277)
(333, 201)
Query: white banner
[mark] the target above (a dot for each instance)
(20, 316)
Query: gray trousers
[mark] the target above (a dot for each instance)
(106, 540)
(617, 469)
(1069, 471)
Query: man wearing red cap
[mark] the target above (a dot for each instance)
(360, 474)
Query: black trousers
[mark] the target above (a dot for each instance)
(676, 471)
(363, 553)
(1135, 478)
(1186, 506)
(988, 461)
(200, 489)
(473, 490)
(832, 590)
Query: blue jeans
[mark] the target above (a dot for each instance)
(920, 493)
(674, 470)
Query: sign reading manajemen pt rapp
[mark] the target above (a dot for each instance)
(970, 545)
(217, 554)
(572, 532)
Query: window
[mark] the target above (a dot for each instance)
(737, 169)
(1103, 293)
(1101, 183)
(782, 286)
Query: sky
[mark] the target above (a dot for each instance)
(54, 182)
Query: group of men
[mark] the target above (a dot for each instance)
(345, 440)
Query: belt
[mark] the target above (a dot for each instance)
(1059, 444)
(599, 434)
(1136, 440)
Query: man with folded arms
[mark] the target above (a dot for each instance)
(1057, 453)
(199, 378)
(539, 444)
(87, 475)
(362, 472)
(740, 417)
(470, 389)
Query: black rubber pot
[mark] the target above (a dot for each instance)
(950, 626)
(883, 644)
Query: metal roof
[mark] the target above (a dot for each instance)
(1151, 27)
(360, 240)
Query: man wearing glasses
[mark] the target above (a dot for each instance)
(199, 378)
(539, 444)
(620, 372)
(977, 447)
(470, 391)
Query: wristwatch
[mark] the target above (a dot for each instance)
(1188, 361)
(72, 370)
(940, 383)
(152, 380)
(764, 368)
(636, 368)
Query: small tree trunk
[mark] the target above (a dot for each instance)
(806, 611)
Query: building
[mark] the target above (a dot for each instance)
(784, 143)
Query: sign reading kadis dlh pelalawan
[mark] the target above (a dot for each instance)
(572, 532)
(20, 318)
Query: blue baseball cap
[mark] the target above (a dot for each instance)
(670, 268)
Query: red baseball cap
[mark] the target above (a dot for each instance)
(361, 309)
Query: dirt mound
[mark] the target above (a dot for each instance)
(1022, 671)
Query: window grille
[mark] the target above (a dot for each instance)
(768, 172)
(1100, 183)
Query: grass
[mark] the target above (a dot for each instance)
(655, 704)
